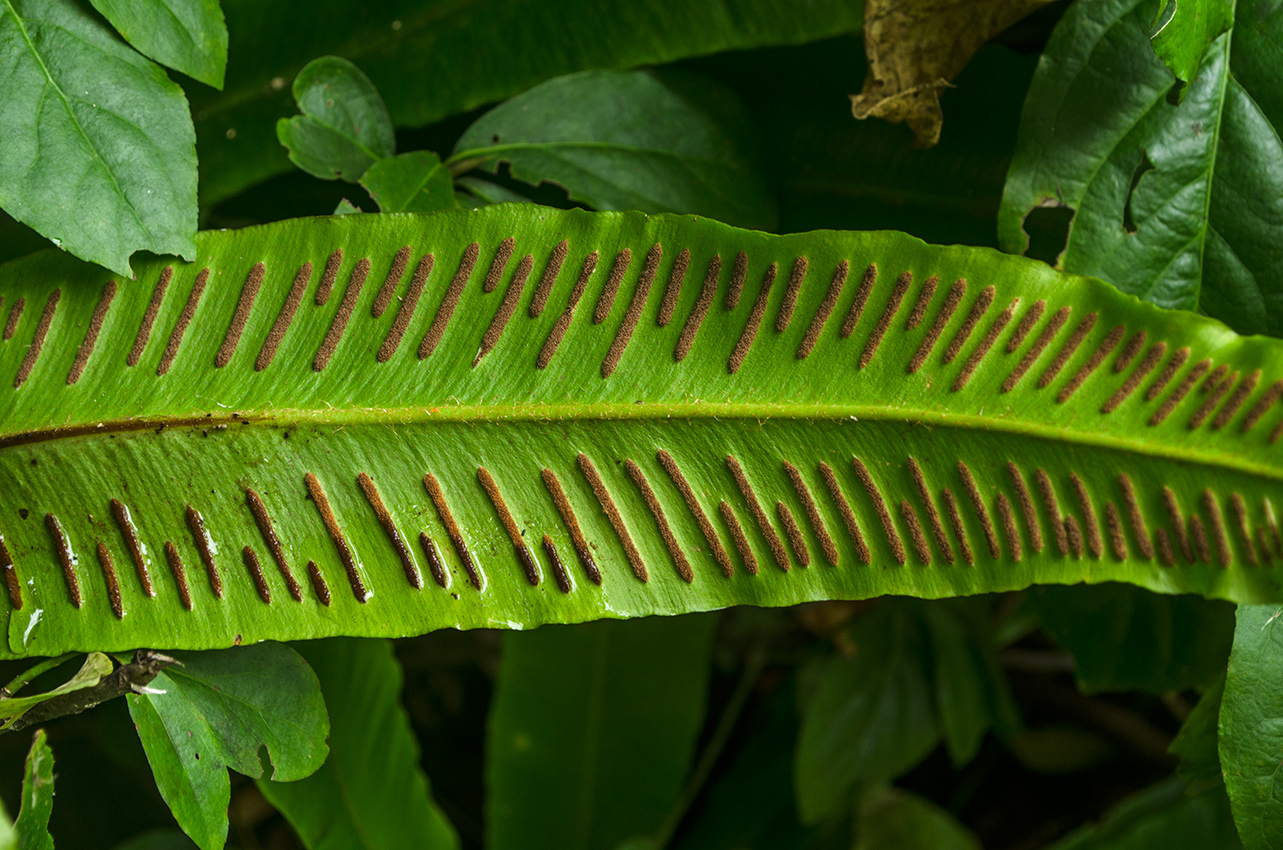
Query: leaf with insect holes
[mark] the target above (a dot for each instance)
(255, 709)
(1177, 203)
(385, 424)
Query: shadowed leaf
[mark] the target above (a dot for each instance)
(186, 35)
(344, 128)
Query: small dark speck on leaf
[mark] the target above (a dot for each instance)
(24, 513)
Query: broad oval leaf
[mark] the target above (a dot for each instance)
(655, 141)
(236, 708)
(1173, 203)
(371, 792)
(368, 425)
(187, 35)
(99, 152)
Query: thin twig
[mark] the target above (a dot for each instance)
(132, 677)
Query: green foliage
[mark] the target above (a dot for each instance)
(1125, 639)
(436, 59)
(410, 182)
(1185, 28)
(95, 667)
(593, 729)
(32, 824)
(79, 103)
(370, 792)
(1160, 818)
(1173, 203)
(186, 35)
(344, 128)
(219, 710)
(1251, 733)
(1196, 743)
(655, 141)
(898, 820)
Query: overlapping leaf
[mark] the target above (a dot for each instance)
(827, 415)
(1175, 203)
(431, 60)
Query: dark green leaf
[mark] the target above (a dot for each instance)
(344, 128)
(1185, 28)
(738, 816)
(434, 59)
(871, 717)
(186, 35)
(866, 175)
(655, 141)
(1200, 765)
(592, 730)
(32, 824)
(1175, 204)
(899, 820)
(370, 793)
(972, 695)
(218, 710)
(98, 151)
(1251, 726)
(479, 192)
(1162, 817)
(410, 182)
(1126, 638)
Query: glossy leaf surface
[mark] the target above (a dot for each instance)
(220, 710)
(655, 141)
(98, 150)
(593, 730)
(1184, 30)
(271, 467)
(1173, 203)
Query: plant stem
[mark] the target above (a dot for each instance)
(708, 759)
(24, 678)
(128, 678)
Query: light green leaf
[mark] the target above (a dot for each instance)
(95, 667)
(1162, 817)
(434, 59)
(218, 711)
(592, 731)
(410, 182)
(370, 793)
(1125, 638)
(1185, 28)
(32, 824)
(871, 718)
(655, 141)
(346, 207)
(186, 35)
(1174, 203)
(98, 150)
(1251, 726)
(344, 128)
(900, 820)
(334, 439)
